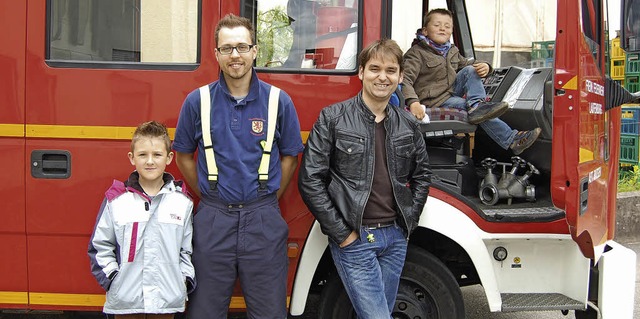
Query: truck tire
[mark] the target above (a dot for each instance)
(427, 290)
(334, 301)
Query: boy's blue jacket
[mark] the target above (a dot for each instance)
(140, 250)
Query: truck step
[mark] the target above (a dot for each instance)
(525, 214)
(539, 302)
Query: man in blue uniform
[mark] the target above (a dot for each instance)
(238, 229)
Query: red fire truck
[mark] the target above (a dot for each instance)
(536, 231)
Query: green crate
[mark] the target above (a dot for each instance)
(632, 66)
(541, 50)
(632, 83)
(629, 148)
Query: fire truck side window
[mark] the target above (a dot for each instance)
(151, 31)
(305, 34)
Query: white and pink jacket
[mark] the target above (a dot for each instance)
(140, 250)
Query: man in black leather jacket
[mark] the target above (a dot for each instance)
(365, 177)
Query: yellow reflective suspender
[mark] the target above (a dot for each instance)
(263, 169)
(205, 120)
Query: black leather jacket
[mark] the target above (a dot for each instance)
(336, 174)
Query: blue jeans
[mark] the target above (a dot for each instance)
(371, 272)
(468, 83)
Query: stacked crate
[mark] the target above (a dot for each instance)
(618, 62)
(632, 72)
(630, 134)
(542, 54)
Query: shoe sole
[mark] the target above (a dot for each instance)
(497, 112)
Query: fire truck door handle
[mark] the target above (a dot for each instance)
(584, 195)
(53, 164)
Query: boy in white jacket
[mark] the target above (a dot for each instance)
(140, 250)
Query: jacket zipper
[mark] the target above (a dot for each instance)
(393, 189)
(373, 134)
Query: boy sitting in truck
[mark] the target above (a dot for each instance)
(437, 75)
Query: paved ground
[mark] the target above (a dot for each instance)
(475, 303)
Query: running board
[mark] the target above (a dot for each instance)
(539, 302)
(528, 214)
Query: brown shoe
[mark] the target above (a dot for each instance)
(524, 139)
(484, 111)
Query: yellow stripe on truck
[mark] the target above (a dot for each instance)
(55, 299)
(14, 297)
(80, 300)
(11, 130)
(81, 132)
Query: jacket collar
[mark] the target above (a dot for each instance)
(133, 184)
(366, 112)
(254, 86)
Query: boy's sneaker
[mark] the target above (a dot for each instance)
(524, 139)
(483, 111)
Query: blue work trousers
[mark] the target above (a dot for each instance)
(245, 241)
(370, 271)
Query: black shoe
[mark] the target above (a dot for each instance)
(485, 111)
(524, 140)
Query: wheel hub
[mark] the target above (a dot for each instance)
(413, 302)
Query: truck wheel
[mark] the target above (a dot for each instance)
(334, 301)
(427, 291)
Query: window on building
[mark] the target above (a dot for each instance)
(305, 33)
(146, 31)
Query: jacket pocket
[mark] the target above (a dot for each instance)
(349, 156)
(405, 151)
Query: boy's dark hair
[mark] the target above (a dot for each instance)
(232, 21)
(383, 48)
(443, 11)
(151, 129)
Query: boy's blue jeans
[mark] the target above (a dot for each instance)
(468, 83)
(370, 271)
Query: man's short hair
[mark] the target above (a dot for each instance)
(232, 21)
(442, 11)
(383, 48)
(149, 130)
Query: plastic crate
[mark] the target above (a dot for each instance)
(541, 50)
(629, 148)
(616, 50)
(542, 63)
(617, 68)
(630, 120)
(632, 66)
(631, 83)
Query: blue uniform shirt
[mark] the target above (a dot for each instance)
(237, 129)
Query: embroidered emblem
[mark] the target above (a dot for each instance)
(176, 217)
(257, 126)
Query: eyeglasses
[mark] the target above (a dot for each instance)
(241, 48)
